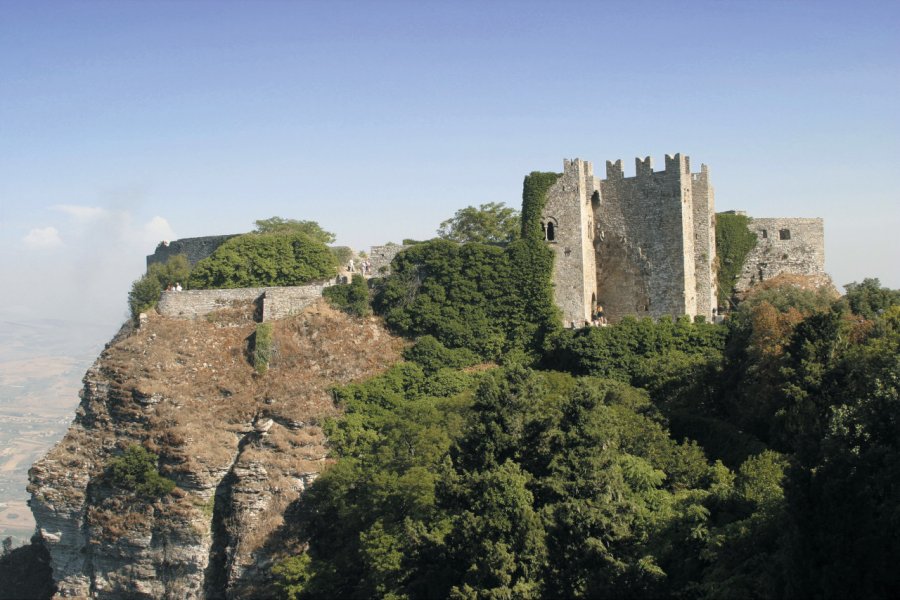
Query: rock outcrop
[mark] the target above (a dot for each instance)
(240, 448)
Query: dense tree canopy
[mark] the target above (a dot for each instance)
(488, 299)
(457, 482)
(265, 259)
(491, 223)
(290, 226)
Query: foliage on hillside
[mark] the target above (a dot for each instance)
(487, 299)
(734, 241)
(135, 472)
(509, 482)
(491, 223)
(283, 226)
(262, 348)
(352, 299)
(265, 259)
(145, 291)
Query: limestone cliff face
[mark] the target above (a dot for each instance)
(241, 448)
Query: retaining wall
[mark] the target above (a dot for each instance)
(277, 302)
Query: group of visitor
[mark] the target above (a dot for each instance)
(174, 288)
(365, 266)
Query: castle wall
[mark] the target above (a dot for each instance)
(802, 253)
(645, 263)
(568, 224)
(196, 249)
(703, 198)
(277, 302)
(381, 257)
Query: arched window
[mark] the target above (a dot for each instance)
(551, 232)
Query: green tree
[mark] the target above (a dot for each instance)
(291, 226)
(145, 291)
(868, 299)
(491, 223)
(353, 298)
(265, 259)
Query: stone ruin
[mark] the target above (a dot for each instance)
(646, 245)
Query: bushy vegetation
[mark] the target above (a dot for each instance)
(485, 298)
(491, 223)
(145, 291)
(734, 241)
(262, 347)
(265, 259)
(657, 459)
(135, 472)
(352, 299)
(283, 226)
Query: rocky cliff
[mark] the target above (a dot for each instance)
(241, 448)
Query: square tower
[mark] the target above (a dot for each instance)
(567, 221)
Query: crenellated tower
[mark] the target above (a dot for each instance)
(641, 245)
(567, 221)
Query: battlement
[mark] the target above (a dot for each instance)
(578, 167)
(676, 165)
(703, 175)
(643, 167)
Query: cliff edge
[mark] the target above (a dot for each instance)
(239, 447)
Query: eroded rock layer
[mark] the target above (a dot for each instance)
(240, 448)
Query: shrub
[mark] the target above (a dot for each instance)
(352, 298)
(265, 259)
(136, 471)
(290, 226)
(433, 355)
(487, 299)
(145, 291)
(262, 347)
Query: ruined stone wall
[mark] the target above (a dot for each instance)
(645, 241)
(568, 223)
(784, 245)
(703, 197)
(381, 257)
(275, 302)
(196, 249)
(282, 302)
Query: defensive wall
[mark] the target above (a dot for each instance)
(196, 249)
(641, 245)
(381, 256)
(274, 302)
(783, 245)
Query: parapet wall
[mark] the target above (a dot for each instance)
(784, 245)
(196, 249)
(381, 257)
(277, 302)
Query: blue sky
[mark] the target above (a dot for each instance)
(124, 123)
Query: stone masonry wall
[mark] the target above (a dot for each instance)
(784, 245)
(703, 197)
(196, 249)
(568, 214)
(277, 302)
(381, 257)
(645, 241)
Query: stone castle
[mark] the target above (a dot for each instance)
(646, 245)
(640, 246)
